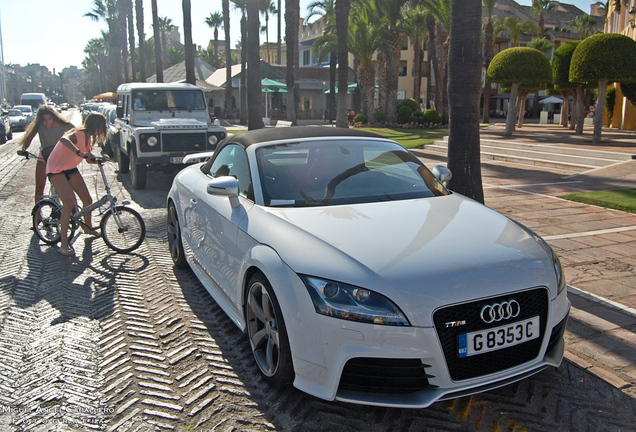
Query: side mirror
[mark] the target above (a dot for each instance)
(120, 112)
(442, 173)
(225, 186)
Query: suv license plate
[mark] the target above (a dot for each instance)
(497, 338)
(176, 160)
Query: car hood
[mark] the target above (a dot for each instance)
(420, 253)
(173, 123)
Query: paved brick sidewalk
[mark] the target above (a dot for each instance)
(597, 246)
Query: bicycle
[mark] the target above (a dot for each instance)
(52, 195)
(122, 228)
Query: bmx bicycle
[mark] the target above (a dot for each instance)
(122, 228)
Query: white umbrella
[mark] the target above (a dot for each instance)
(552, 99)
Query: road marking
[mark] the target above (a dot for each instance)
(602, 301)
(589, 233)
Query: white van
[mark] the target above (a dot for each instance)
(33, 99)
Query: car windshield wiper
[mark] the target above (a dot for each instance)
(180, 108)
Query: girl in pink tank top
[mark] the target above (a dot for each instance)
(61, 168)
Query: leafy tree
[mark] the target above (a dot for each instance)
(415, 28)
(539, 8)
(541, 44)
(516, 29)
(584, 25)
(561, 77)
(268, 8)
(514, 67)
(464, 89)
(175, 55)
(327, 45)
(603, 58)
(214, 21)
(108, 11)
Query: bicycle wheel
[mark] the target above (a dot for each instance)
(46, 221)
(123, 229)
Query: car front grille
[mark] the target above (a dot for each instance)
(376, 375)
(191, 142)
(532, 303)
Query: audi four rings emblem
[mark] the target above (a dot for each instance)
(500, 311)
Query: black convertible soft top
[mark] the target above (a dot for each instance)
(246, 139)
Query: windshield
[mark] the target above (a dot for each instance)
(162, 100)
(25, 109)
(342, 172)
(15, 112)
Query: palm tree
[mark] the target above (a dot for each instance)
(165, 26)
(464, 88)
(342, 28)
(292, 17)
(95, 64)
(122, 14)
(131, 36)
(489, 45)
(214, 21)
(541, 44)
(228, 57)
(327, 45)
(584, 25)
(157, 36)
(254, 92)
(441, 10)
(189, 46)
(539, 8)
(364, 39)
(139, 15)
(415, 27)
(241, 5)
(107, 10)
(280, 35)
(517, 28)
(267, 8)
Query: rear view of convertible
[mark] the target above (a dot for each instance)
(358, 276)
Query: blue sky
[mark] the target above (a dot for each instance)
(54, 33)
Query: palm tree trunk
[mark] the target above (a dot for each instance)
(342, 25)
(432, 53)
(333, 69)
(489, 54)
(243, 84)
(122, 14)
(417, 68)
(131, 38)
(292, 17)
(139, 15)
(228, 58)
(464, 90)
(157, 38)
(189, 46)
(393, 74)
(254, 91)
(382, 84)
(280, 36)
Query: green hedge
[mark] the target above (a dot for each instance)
(604, 57)
(520, 64)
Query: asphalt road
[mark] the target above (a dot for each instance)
(106, 341)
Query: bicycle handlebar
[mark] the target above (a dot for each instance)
(29, 155)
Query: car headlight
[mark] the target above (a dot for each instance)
(152, 141)
(212, 140)
(339, 300)
(558, 270)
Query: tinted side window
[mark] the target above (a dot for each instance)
(232, 161)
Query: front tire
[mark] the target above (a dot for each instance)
(175, 242)
(123, 229)
(123, 162)
(267, 333)
(138, 172)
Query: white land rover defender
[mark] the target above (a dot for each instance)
(157, 125)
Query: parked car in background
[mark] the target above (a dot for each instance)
(27, 110)
(19, 121)
(358, 276)
(6, 133)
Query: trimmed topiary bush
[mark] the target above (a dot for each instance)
(604, 57)
(360, 118)
(404, 114)
(610, 101)
(431, 116)
(561, 65)
(520, 65)
(409, 102)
